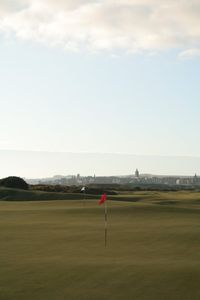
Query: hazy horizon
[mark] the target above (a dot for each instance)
(38, 164)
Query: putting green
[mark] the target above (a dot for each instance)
(55, 250)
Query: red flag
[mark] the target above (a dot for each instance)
(103, 199)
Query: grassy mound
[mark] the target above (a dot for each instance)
(8, 194)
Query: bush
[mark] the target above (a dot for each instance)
(14, 182)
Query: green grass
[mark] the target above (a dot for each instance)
(54, 250)
(9, 194)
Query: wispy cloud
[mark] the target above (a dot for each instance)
(127, 25)
(190, 53)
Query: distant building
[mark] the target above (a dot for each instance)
(137, 174)
(195, 179)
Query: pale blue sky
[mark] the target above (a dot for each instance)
(92, 91)
(33, 164)
(80, 102)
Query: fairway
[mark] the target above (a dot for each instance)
(55, 249)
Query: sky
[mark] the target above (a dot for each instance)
(116, 77)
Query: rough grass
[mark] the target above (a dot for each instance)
(55, 250)
(9, 194)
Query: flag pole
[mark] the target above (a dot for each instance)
(101, 201)
(84, 197)
(83, 190)
(106, 222)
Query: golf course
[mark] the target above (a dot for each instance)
(55, 249)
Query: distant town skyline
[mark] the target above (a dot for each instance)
(133, 179)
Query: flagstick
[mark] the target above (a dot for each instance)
(84, 197)
(106, 222)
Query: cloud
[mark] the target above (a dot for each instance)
(113, 25)
(190, 53)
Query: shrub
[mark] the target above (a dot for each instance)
(14, 182)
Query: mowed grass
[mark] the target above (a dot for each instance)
(55, 249)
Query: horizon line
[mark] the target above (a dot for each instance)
(127, 175)
(101, 153)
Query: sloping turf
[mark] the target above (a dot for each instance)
(55, 250)
(9, 194)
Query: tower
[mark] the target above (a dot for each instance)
(137, 174)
